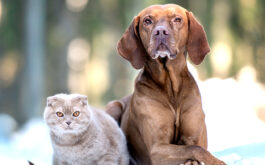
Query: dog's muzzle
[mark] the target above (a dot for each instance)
(160, 35)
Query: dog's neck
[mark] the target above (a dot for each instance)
(166, 74)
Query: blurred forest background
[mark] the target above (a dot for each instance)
(69, 46)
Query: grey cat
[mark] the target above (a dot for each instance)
(83, 135)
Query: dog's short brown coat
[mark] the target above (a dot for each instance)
(163, 119)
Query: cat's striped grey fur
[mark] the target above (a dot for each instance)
(91, 138)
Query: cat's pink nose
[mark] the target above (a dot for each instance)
(68, 122)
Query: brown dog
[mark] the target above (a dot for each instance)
(163, 119)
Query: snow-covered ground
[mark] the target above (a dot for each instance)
(32, 143)
(235, 134)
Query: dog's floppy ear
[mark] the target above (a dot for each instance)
(130, 45)
(197, 45)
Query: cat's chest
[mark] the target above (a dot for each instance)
(78, 153)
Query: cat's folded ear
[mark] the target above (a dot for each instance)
(82, 99)
(52, 100)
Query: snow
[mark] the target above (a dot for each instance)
(230, 116)
(235, 134)
(32, 143)
(251, 154)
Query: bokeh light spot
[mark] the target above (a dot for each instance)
(249, 3)
(8, 69)
(78, 54)
(97, 76)
(76, 5)
(247, 74)
(221, 58)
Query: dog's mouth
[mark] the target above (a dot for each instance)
(162, 51)
(162, 60)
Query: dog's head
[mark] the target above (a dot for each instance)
(163, 31)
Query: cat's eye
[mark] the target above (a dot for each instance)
(59, 114)
(76, 113)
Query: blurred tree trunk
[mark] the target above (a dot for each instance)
(62, 25)
(32, 87)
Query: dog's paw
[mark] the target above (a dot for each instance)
(192, 162)
(221, 163)
(216, 162)
(30, 163)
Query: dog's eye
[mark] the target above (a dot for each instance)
(148, 21)
(178, 20)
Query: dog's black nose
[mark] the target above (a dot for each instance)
(160, 31)
(68, 122)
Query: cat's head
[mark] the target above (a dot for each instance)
(67, 114)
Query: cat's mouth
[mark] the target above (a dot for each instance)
(68, 128)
